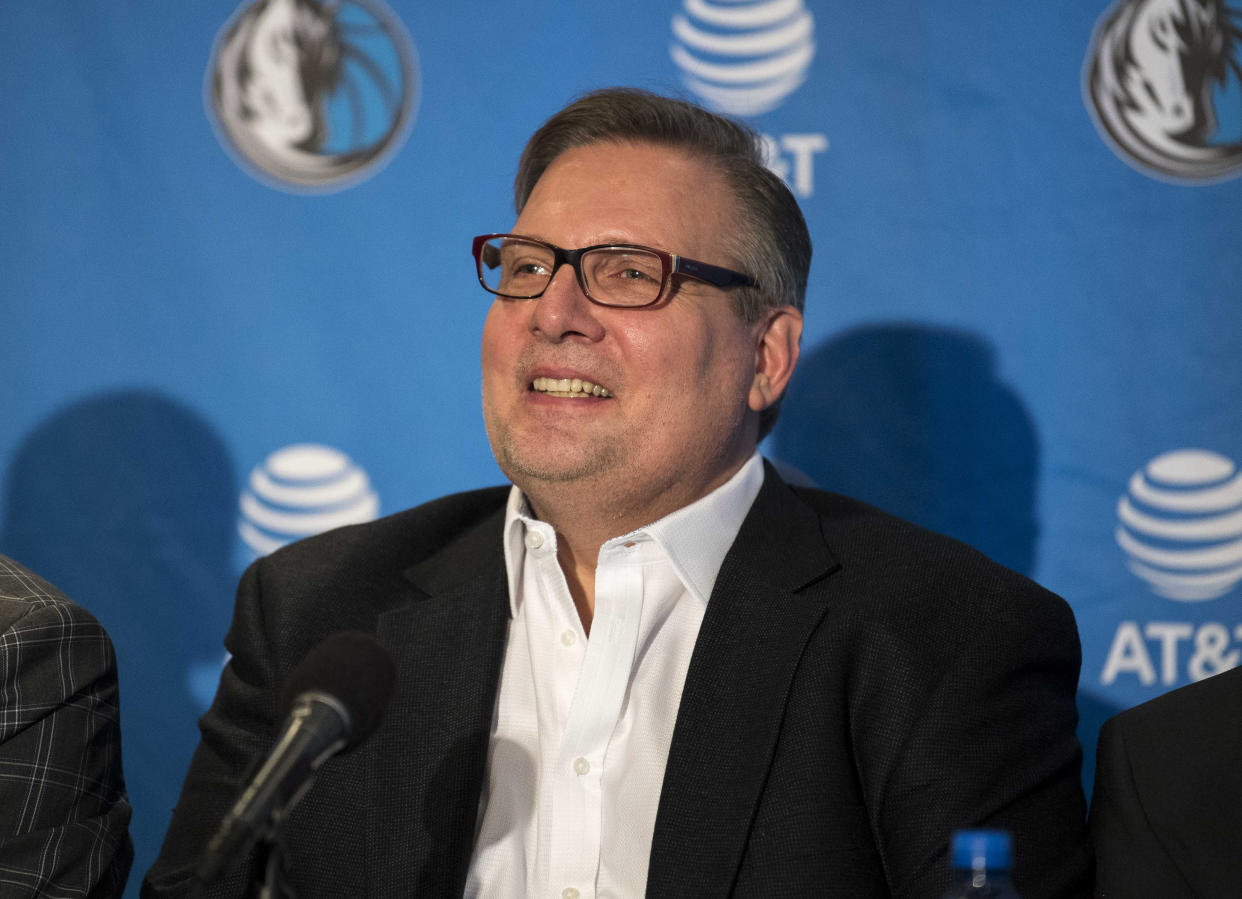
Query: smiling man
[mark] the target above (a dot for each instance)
(681, 377)
(649, 666)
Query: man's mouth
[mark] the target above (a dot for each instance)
(569, 388)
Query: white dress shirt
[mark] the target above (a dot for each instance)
(582, 728)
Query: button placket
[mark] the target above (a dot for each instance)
(596, 707)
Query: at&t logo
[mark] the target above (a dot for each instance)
(312, 94)
(745, 58)
(1179, 524)
(302, 490)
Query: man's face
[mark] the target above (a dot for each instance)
(677, 420)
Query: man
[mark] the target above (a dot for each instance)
(650, 666)
(64, 813)
(1164, 813)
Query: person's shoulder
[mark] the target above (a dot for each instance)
(344, 578)
(61, 744)
(395, 541)
(27, 599)
(893, 563)
(17, 582)
(1170, 766)
(861, 533)
(847, 518)
(1183, 715)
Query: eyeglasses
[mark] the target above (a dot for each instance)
(521, 268)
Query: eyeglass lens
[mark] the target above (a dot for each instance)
(617, 276)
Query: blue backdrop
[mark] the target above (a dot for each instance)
(237, 302)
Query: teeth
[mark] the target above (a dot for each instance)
(569, 387)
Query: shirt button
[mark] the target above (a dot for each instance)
(534, 539)
(581, 766)
(569, 893)
(568, 637)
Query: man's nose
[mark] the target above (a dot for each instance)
(564, 310)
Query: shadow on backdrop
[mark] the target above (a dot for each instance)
(913, 419)
(125, 501)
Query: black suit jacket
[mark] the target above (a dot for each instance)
(859, 688)
(1166, 812)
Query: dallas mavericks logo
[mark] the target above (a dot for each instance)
(1162, 81)
(1180, 524)
(302, 490)
(315, 94)
(743, 57)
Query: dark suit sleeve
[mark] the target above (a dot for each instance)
(1131, 856)
(237, 729)
(64, 815)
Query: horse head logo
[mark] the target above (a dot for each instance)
(1153, 80)
(312, 94)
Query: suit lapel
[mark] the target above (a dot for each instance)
(757, 622)
(428, 760)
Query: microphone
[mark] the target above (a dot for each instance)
(334, 699)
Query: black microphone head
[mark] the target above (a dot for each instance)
(351, 667)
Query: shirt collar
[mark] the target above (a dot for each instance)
(695, 538)
(518, 518)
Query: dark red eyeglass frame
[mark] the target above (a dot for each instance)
(671, 263)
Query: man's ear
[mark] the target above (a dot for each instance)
(777, 337)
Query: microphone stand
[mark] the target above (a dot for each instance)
(270, 859)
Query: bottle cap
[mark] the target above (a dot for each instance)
(988, 849)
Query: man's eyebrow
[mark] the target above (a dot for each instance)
(602, 240)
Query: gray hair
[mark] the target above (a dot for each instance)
(772, 242)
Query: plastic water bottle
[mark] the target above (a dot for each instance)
(981, 863)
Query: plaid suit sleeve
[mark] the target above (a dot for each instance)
(64, 815)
